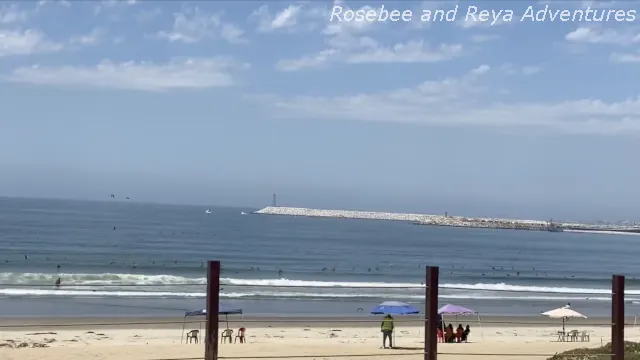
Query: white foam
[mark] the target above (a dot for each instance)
(603, 232)
(479, 286)
(311, 283)
(91, 293)
(171, 285)
(403, 296)
(103, 278)
(275, 295)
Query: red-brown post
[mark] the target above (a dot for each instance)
(431, 305)
(213, 300)
(617, 317)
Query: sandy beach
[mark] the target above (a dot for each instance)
(127, 338)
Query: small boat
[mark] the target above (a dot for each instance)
(208, 211)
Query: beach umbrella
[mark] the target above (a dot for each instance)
(223, 309)
(456, 310)
(563, 313)
(395, 308)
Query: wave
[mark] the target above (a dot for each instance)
(276, 295)
(97, 279)
(480, 286)
(148, 285)
(603, 232)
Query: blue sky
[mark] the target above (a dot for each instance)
(227, 102)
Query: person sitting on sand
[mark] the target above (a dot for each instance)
(459, 332)
(465, 334)
(448, 334)
(387, 331)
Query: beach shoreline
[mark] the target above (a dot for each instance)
(285, 337)
(173, 322)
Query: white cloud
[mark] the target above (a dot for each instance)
(409, 52)
(316, 61)
(194, 25)
(464, 101)
(481, 38)
(94, 37)
(287, 18)
(531, 70)
(142, 76)
(598, 4)
(511, 69)
(42, 3)
(27, 42)
(603, 36)
(626, 58)
(480, 70)
(32, 41)
(148, 15)
(112, 4)
(117, 40)
(573, 4)
(10, 14)
(348, 42)
(359, 50)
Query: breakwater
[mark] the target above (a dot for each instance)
(443, 220)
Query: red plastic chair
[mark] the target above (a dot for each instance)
(440, 336)
(240, 336)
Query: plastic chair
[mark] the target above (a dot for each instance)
(573, 335)
(192, 335)
(226, 334)
(240, 336)
(585, 336)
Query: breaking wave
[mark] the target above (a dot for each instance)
(145, 285)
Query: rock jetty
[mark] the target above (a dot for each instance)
(348, 214)
(420, 219)
(443, 220)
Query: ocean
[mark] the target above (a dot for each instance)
(122, 258)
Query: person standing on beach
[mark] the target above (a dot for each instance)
(387, 331)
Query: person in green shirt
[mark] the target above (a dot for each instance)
(387, 331)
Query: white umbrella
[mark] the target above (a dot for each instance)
(563, 313)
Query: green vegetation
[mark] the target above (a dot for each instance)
(631, 352)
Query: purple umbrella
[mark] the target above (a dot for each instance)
(456, 310)
(450, 309)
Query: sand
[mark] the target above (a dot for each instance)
(282, 338)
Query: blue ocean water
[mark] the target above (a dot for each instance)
(127, 258)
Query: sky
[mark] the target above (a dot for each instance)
(225, 103)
